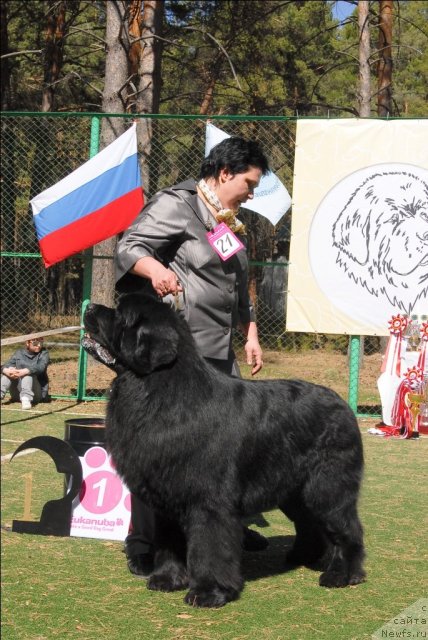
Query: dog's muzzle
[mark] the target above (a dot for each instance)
(97, 351)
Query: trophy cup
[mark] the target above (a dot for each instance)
(414, 401)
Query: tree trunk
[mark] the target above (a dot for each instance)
(149, 72)
(207, 102)
(53, 52)
(135, 25)
(116, 70)
(206, 106)
(116, 75)
(384, 98)
(52, 62)
(9, 191)
(364, 59)
(4, 44)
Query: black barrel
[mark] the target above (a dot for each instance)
(84, 433)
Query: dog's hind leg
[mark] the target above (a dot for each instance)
(170, 573)
(344, 531)
(213, 558)
(331, 494)
(309, 545)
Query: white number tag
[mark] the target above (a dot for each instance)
(224, 242)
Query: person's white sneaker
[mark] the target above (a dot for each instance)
(26, 403)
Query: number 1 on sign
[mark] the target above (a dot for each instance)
(101, 485)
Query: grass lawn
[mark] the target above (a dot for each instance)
(79, 588)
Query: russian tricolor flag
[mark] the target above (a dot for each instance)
(95, 202)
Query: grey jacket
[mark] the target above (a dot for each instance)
(36, 363)
(172, 228)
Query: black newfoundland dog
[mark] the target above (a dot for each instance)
(205, 449)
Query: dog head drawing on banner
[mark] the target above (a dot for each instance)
(382, 236)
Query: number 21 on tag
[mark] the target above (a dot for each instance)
(224, 242)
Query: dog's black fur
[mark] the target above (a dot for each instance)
(204, 449)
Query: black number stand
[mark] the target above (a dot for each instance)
(56, 514)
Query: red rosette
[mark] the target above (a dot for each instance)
(398, 324)
(424, 331)
(414, 375)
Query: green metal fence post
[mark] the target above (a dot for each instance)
(87, 274)
(354, 372)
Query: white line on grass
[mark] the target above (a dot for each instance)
(22, 453)
(65, 413)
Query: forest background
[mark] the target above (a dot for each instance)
(263, 57)
(282, 58)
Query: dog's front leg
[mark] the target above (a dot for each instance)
(213, 558)
(170, 573)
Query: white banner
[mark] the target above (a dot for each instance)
(359, 248)
(271, 198)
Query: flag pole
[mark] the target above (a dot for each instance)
(87, 273)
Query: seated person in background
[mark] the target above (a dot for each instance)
(25, 374)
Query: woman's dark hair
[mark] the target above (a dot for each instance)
(235, 154)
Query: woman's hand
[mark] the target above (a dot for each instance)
(164, 280)
(254, 355)
(252, 347)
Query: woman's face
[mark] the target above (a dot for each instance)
(234, 189)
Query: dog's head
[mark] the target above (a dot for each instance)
(382, 237)
(141, 333)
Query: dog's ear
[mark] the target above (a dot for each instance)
(148, 347)
(163, 346)
(147, 333)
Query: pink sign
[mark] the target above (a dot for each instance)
(103, 507)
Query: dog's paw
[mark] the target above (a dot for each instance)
(214, 598)
(333, 579)
(167, 582)
(357, 578)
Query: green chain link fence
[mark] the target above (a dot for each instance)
(39, 149)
